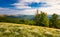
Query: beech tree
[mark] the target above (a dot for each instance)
(41, 19)
(44, 21)
(54, 22)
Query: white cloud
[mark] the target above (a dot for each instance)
(14, 12)
(55, 7)
(8, 11)
(50, 10)
(30, 0)
(23, 3)
(28, 12)
(38, 0)
(22, 7)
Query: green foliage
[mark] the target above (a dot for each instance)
(36, 19)
(41, 19)
(54, 21)
(16, 20)
(29, 22)
(44, 21)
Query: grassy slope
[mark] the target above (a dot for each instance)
(21, 30)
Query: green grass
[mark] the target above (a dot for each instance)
(21, 30)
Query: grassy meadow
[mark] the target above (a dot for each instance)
(22, 30)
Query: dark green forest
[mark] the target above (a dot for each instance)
(39, 20)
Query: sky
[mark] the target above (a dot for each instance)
(29, 7)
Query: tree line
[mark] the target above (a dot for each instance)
(42, 20)
(39, 20)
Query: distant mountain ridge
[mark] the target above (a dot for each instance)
(21, 16)
(24, 16)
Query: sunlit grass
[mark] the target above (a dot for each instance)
(22, 30)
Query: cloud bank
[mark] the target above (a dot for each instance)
(30, 6)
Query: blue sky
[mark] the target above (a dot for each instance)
(29, 6)
(6, 3)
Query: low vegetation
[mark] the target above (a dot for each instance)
(21, 30)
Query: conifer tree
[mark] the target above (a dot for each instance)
(36, 19)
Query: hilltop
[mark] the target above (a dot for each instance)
(22, 30)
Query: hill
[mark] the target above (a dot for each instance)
(22, 16)
(30, 17)
(21, 30)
